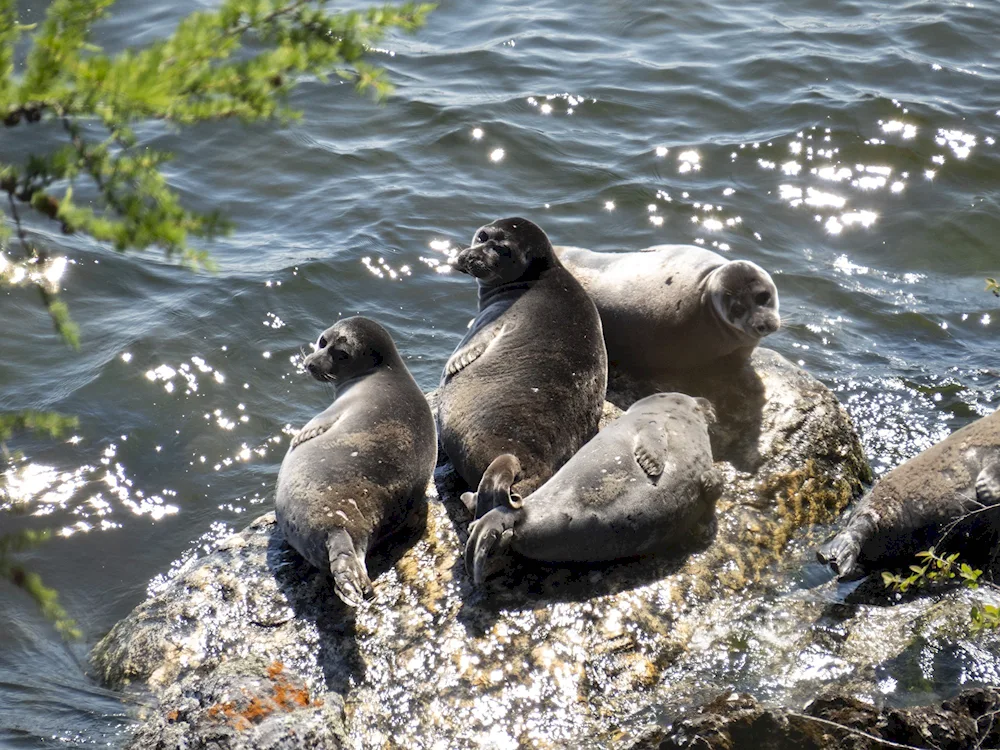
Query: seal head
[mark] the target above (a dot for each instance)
(744, 296)
(506, 251)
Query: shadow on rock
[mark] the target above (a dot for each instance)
(738, 397)
(311, 596)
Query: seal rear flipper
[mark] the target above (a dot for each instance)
(489, 541)
(350, 577)
(841, 555)
(494, 487)
(988, 484)
(649, 449)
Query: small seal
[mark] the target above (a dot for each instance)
(643, 484)
(676, 308)
(942, 497)
(357, 471)
(529, 377)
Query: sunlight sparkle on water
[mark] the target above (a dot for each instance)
(688, 160)
(906, 130)
(960, 143)
(497, 154)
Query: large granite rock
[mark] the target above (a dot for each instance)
(248, 647)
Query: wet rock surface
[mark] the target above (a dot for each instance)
(833, 722)
(541, 656)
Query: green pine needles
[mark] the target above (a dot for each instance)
(87, 104)
(90, 102)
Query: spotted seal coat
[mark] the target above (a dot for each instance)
(948, 496)
(358, 470)
(676, 308)
(641, 485)
(529, 377)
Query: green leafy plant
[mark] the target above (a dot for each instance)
(238, 62)
(936, 568)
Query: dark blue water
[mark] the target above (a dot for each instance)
(848, 147)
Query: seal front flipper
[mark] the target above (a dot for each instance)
(489, 541)
(494, 487)
(314, 428)
(350, 577)
(472, 351)
(988, 484)
(650, 449)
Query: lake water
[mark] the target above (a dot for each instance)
(847, 147)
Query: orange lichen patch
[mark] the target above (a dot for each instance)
(289, 697)
(244, 713)
(172, 716)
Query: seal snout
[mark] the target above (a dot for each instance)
(477, 261)
(766, 323)
(315, 368)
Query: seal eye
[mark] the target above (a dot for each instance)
(322, 342)
(482, 237)
(762, 299)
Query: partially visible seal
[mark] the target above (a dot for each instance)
(358, 470)
(641, 485)
(529, 378)
(942, 497)
(675, 308)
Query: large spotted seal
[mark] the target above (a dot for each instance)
(529, 377)
(947, 495)
(641, 485)
(358, 470)
(676, 308)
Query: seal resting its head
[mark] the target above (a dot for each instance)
(358, 470)
(642, 485)
(676, 308)
(947, 497)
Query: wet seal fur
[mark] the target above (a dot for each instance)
(948, 496)
(641, 485)
(359, 470)
(676, 308)
(529, 378)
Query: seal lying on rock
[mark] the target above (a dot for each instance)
(529, 377)
(357, 471)
(673, 308)
(949, 492)
(640, 485)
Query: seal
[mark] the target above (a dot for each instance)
(529, 377)
(675, 308)
(358, 470)
(943, 497)
(643, 484)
